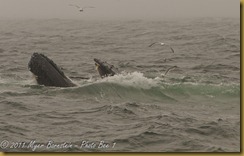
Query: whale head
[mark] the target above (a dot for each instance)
(104, 69)
(47, 72)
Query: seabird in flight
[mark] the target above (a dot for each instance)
(170, 68)
(81, 9)
(162, 44)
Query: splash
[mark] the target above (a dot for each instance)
(134, 79)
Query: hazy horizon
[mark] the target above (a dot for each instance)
(118, 9)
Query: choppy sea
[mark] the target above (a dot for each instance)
(194, 108)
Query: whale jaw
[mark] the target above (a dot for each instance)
(104, 69)
(47, 73)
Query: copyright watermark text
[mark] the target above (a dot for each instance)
(33, 145)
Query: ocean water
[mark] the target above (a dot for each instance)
(194, 108)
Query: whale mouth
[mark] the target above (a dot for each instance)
(47, 72)
(39, 62)
(104, 69)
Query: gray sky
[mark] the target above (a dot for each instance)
(119, 9)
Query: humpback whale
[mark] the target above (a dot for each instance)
(104, 69)
(47, 73)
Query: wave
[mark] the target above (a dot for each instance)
(136, 82)
(1, 50)
(184, 133)
(129, 86)
(15, 105)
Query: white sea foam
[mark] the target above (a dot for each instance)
(135, 79)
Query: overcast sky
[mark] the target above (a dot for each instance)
(119, 9)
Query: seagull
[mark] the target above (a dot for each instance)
(81, 9)
(162, 44)
(170, 68)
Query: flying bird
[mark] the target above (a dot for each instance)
(170, 68)
(162, 44)
(81, 9)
